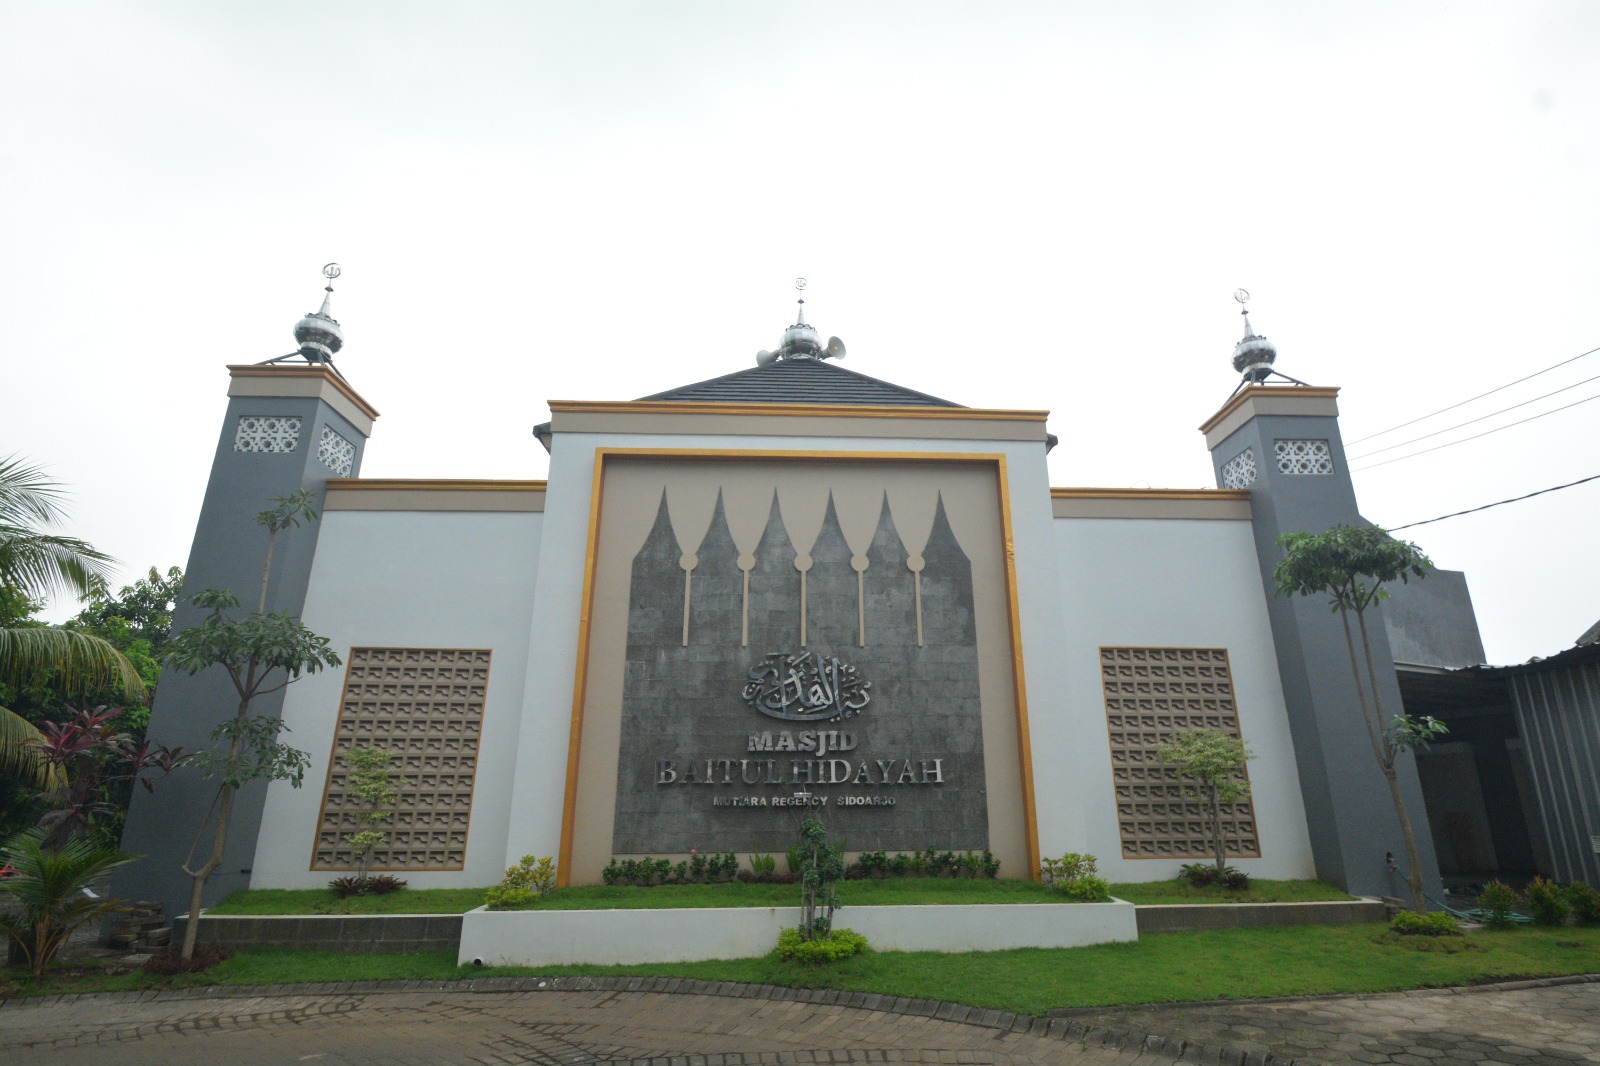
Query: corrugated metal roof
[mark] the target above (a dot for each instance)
(801, 381)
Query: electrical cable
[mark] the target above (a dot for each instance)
(1475, 436)
(1480, 396)
(1497, 503)
(1470, 421)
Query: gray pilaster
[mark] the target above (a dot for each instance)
(1349, 812)
(228, 551)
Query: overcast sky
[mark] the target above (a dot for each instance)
(1004, 204)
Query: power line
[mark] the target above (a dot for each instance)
(1470, 421)
(1475, 436)
(1497, 503)
(1480, 396)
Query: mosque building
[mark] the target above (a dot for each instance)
(792, 590)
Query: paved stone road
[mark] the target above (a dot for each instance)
(681, 1023)
(1526, 1023)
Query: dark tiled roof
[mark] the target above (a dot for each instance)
(801, 381)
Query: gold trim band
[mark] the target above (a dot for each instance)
(1149, 494)
(379, 484)
(830, 410)
(321, 373)
(586, 614)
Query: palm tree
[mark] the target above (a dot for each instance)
(35, 563)
(48, 888)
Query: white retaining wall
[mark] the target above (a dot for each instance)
(555, 938)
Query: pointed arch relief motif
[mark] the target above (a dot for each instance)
(838, 595)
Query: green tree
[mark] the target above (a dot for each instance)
(261, 653)
(1351, 566)
(137, 622)
(821, 866)
(369, 781)
(35, 563)
(90, 794)
(1214, 764)
(143, 610)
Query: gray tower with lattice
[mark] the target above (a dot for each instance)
(1282, 444)
(290, 425)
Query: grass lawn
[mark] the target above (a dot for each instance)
(1260, 891)
(323, 901)
(1170, 967)
(901, 891)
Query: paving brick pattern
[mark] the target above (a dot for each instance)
(1524, 1023)
(663, 1022)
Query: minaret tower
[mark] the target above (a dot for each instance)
(1281, 442)
(292, 423)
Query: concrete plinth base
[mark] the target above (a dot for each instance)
(551, 938)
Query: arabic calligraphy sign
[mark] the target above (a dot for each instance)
(808, 687)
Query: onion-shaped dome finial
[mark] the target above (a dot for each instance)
(1254, 355)
(318, 333)
(800, 341)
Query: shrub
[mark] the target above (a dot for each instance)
(171, 961)
(873, 863)
(840, 944)
(1069, 866)
(1498, 901)
(1089, 889)
(759, 864)
(1202, 875)
(1548, 902)
(1073, 875)
(376, 885)
(991, 865)
(501, 898)
(1437, 923)
(523, 883)
(1585, 903)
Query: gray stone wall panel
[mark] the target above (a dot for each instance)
(683, 703)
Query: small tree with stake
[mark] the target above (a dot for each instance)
(369, 783)
(261, 653)
(821, 865)
(1214, 762)
(1351, 566)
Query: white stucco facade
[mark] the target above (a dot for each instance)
(514, 583)
(1163, 582)
(411, 579)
